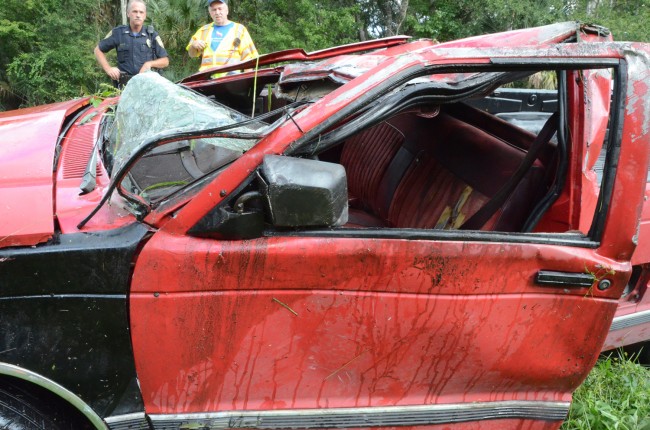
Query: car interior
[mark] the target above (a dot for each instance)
(436, 167)
(479, 161)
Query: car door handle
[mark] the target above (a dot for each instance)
(564, 279)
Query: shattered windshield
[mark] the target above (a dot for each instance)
(153, 109)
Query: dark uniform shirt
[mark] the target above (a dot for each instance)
(133, 49)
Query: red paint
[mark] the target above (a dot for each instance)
(379, 322)
(288, 322)
(72, 207)
(300, 55)
(282, 323)
(27, 141)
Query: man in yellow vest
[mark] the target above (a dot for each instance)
(222, 41)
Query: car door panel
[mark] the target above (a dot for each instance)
(334, 325)
(281, 323)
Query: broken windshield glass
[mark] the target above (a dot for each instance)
(157, 120)
(160, 132)
(151, 106)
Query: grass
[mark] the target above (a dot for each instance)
(615, 395)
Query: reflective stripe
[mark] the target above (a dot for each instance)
(228, 50)
(224, 52)
(246, 52)
(219, 59)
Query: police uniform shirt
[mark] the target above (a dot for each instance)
(133, 49)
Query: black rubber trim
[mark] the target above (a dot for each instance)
(564, 279)
(613, 153)
(561, 239)
(546, 61)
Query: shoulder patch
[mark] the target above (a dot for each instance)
(159, 42)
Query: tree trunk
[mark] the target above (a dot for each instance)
(361, 25)
(389, 24)
(404, 5)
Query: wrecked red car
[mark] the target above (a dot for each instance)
(390, 233)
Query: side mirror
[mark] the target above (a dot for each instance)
(293, 192)
(304, 193)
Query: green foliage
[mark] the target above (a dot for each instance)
(453, 19)
(103, 92)
(615, 395)
(176, 21)
(46, 50)
(50, 75)
(305, 24)
(46, 45)
(284, 24)
(627, 19)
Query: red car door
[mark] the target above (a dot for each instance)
(388, 325)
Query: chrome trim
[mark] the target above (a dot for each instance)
(134, 421)
(630, 320)
(364, 417)
(48, 384)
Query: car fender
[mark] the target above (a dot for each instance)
(64, 394)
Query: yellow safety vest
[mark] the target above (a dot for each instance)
(235, 47)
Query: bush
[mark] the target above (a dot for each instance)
(615, 395)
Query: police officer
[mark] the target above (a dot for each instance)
(138, 48)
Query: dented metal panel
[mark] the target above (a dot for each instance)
(301, 55)
(313, 323)
(341, 322)
(27, 142)
(295, 316)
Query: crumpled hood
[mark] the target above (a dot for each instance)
(28, 138)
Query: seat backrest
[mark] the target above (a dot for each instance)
(457, 170)
(422, 172)
(366, 158)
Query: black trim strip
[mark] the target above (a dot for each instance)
(68, 296)
(562, 61)
(613, 152)
(564, 279)
(562, 239)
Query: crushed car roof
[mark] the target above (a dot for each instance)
(396, 45)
